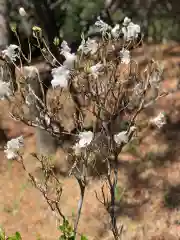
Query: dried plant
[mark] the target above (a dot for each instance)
(93, 93)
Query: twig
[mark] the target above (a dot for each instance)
(80, 204)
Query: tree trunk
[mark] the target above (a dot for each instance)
(4, 33)
(46, 144)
